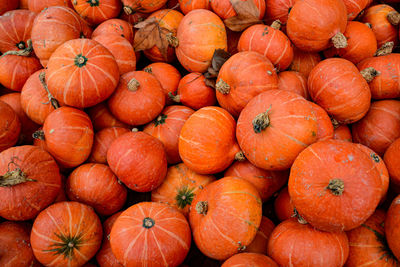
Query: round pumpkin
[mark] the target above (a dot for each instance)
(392, 227)
(392, 161)
(249, 259)
(115, 26)
(324, 124)
(342, 132)
(224, 217)
(283, 206)
(334, 185)
(303, 61)
(293, 81)
(225, 10)
(260, 242)
(188, 5)
(145, 6)
(66, 234)
(101, 117)
(10, 126)
(150, 233)
(8, 5)
(278, 10)
(38, 5)
(97, 11)
(355, 7)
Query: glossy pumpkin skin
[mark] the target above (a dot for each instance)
(102, 141)
(188, 5)
(266, 182)
(95, 185)
(283, 206)
(144, 6)
(270, 42)
(82, 73)
(338, 87)
(115, 26)
(324, 124)
(38, 5)
(23, 201)
(180, 187)
(71, 227)
(304, 62)
(225, 10)
(380, 127)
(153, 227)
(221, 225)
(200, 33)
(139, 161)
(97, 11)
(387, 83)
(342, 132)
(392, 161)
(342, 178)
(277, 10)
(391, 227)
(312, 23)
(10, 126)
(260, 242)
(303, 245)
(8, 5)
(242, 77)
(292, 126)
(354, 8)
(293, 81)
(368, 245)
(137, 105)
(212, 150)
(167, 128)
(249, 259)
(101, 117)
(68, 133)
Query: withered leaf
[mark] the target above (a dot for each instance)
(247, 15)
(220, 56)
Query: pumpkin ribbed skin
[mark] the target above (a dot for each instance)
(273, 140)
(312, 23)
(392, 161)
(342, 132)
(212, 150)
(380, 127)
(242, 77)
(293, 81)
(152, 234)
(97, 11)
(101, 117)
(260, 242)
(277, 10)
(180, 187)
(8, 5)
(283, 206)
(38, 5)
(270, 42)
(342, 177)
(392, 229)
(304, 62)
(355, 7)
(188, 5)
(338, 87)
(115, 26)
(249, 259)
(82, 73)
(25, 200)
(225, 10)
(292, 243)
(200, 33)
(144, 6)
(68, 133)
(10, 126)
(324, 124)
(167, 128)
(71, 229)
(221, 225)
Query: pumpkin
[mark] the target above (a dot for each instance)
(292, 243)
(121, 49)
(82, 73)
(342, 132)
(193, 92)
(283, 206)
(337, 86)
(385, 71)
(324, 124)
(61, 195)
(225, 10)
(355, 8)
(23, 4)
(293, 81)
(277, 10)
(133, 18)
(68, 134)
(260, 242)
(95, 185)
(270, 42)
(97, 11)
(380, 127)
(138, 159)
(10, 126)
(250, 259)
(266, 182)
(150, 233)
(167, 128)
(224, 217)
(144, 6)
(275, 127)
(392, 161)
(342, 178)
(101, 117)
(167, 75)
(188, 5)
(180, 187)
(200, 33)
(212, 150)
(368, 245)
(8, 5)
(115, 26)
(391, 227)
(66, 234)
(304, 62)
(15, 249)
(29, 182)
(242, 77)
(138, 99)
(102, 141)
(314, 25)
(38, 5)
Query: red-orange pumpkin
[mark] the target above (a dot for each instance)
(188, 5)
(275, 127)
(23, 4)
(304, 62)
(392, 161)
(277, 10)
(293, 81)
(334, 185)
(10, 126)
(355, 7)
(283, 206)
(29, 182)
(8, 5)
(225, 10)
(144, 6)
(260, 242)
(249, 259)
(97, 11)
(342, 132)
(101, 117)
(150, 233)
(115, 26)
(38, 5)
(66, 234)
(324, 123)
(392, 229)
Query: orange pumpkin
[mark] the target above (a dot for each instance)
(38, 5)
(101, 117)
(293, 81)
(392, 227)
(97, 11)
(342, 132)
(10, 126)
(304, 62)
(355, 7)
(225, 10)
(260, 242)
(283, 206)
(324, 124)
(249, 259)
(115, 26)
(144, 6)
(277, 10)
(392, 161)
(8, 5)
(188, 5)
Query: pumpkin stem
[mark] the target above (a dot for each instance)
(184, 196)
(369, 74)
(261, 121)
(14, 177)
(135, 130)
(202, 207)
(336, 186)
(25, 52)
(339, 40)
(148, 222)
(172, 40)
(175, 98)
(39, 134)
(335, 123)
(385, 49)
(240, 156)
(128, 10)
(369, 25)
(222, 87)
(276, 24)
(393, 17)
(52, 100)
(160, 119)
(133, 85)
(148, 70)
(300, 219)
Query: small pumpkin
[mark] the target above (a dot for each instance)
(293, 81)
(225, 10)
(144, 6)
(115, 26)
(391, 227)
(97, 11)
(324, 124)
(250, 259)
(303, 61)
(278, 10)
(283, 206)
(355, 8)
(8, 5)
(342, 132)
(392, 161)
(101, 117)
(10, 126)
(260, 242)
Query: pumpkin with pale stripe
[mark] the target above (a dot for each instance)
(303, 61)
(293, 81)
(249, 259)
(97, 11)
(115, 26)
(101, 117)
(39, 5)
(260, 241)
(10, 126)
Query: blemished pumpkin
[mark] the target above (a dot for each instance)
(355, 7)
(188, 5)
(392, 229)
(115, 26)
(249, 259)
(10, 126)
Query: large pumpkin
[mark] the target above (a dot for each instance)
(392, 229)
(334, 185)
(392, 161)
(10, 126)
(97, 11)
(38, 5)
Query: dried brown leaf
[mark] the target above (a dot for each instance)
(247, 14)
(220, 56)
